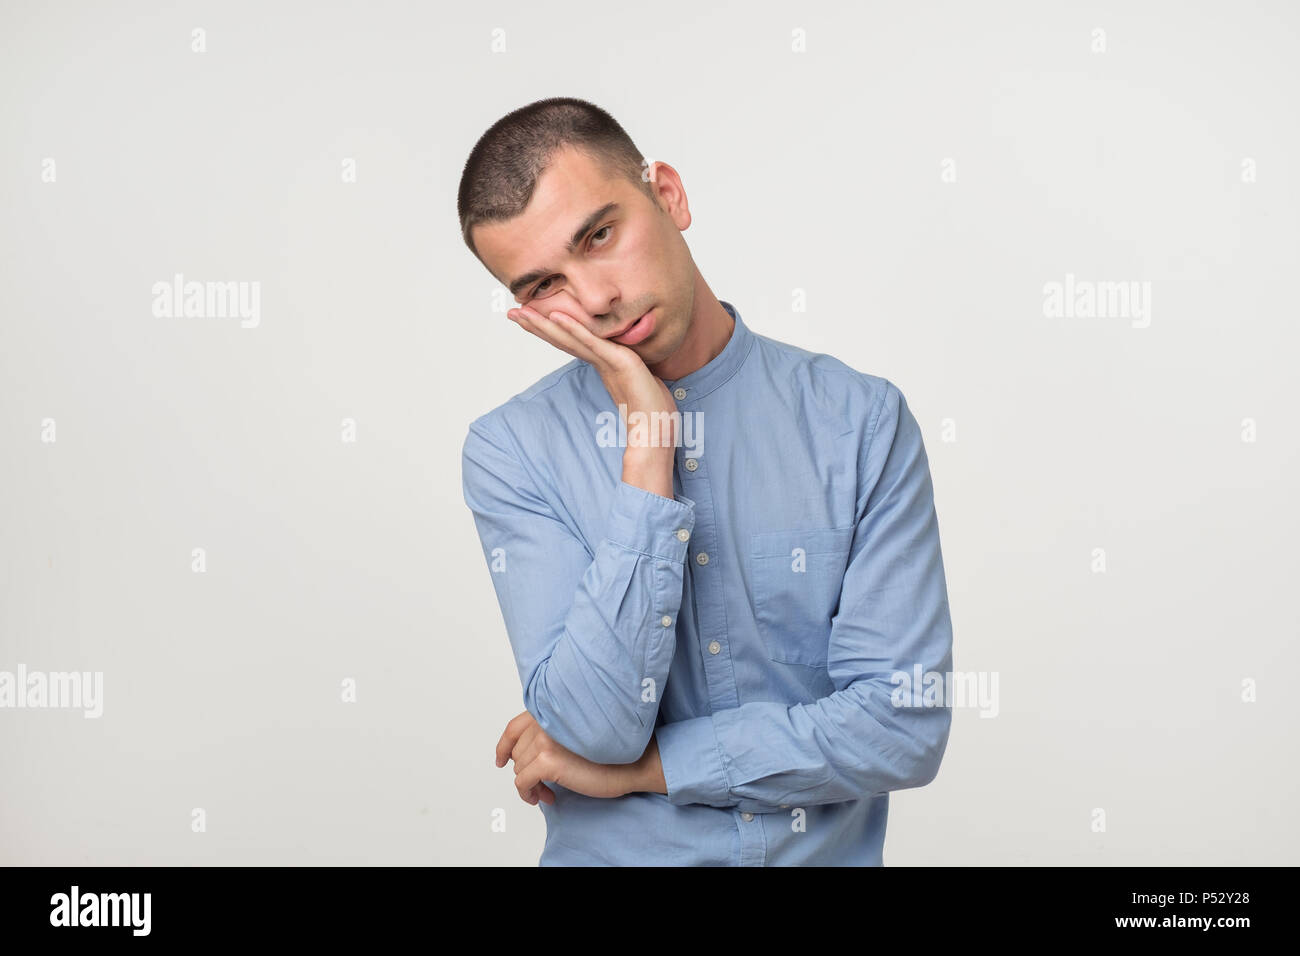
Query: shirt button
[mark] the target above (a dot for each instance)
(679, 393)
(746, 816)
(784, 805)
(702, 558)
(665, 620)
(692, 464)
(714, 647)
(683, 534)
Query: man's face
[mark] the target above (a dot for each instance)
(628, 255)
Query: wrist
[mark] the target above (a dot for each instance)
(652, 472)
(647, 774)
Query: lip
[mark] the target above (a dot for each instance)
(637, 331)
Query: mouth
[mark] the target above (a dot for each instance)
(635, 332)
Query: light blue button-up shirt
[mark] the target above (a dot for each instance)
(771, 624)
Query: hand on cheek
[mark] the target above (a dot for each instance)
(561, 302)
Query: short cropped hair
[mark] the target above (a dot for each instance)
(504, 165)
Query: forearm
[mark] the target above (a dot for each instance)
(764, 755)
(650, 469)
(647, 774)
(592, 625)
(598, 689)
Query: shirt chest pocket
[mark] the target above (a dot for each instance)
(797, 576)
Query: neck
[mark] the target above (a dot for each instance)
(710, 331)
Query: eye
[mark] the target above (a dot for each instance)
(541, 287)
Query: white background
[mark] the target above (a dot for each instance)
(812, 174)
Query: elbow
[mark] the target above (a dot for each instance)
(918, 739)
(603, 737)
(626, 744)
(617, 750)
(609, 745)
(931, 744)
(617, 744)
(925, 772)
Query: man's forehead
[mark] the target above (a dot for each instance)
(572, 187)
(532, 244)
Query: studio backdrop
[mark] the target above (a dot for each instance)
(244, 613)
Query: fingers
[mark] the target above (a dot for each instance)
(533, 764)
(607, 357)
(541, 793)
(521, 742)
(567, 333)
(531, 774)
(527, 746)
(549, 329)
(513, 731)
(581, 334)
(529, 757)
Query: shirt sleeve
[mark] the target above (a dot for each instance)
(593, 635)
(867, 736)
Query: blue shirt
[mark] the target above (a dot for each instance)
(757, 622)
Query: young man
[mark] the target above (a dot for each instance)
(714, 618)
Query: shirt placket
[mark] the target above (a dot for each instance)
(705, 568)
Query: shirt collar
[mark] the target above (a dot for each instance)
(722, 366)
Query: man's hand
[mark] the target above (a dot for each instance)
(537, 757)
(630, 383)
(626, 377)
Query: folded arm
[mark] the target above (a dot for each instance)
(593, 635)
(893, 617)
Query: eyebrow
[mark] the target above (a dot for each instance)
(588, 224)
